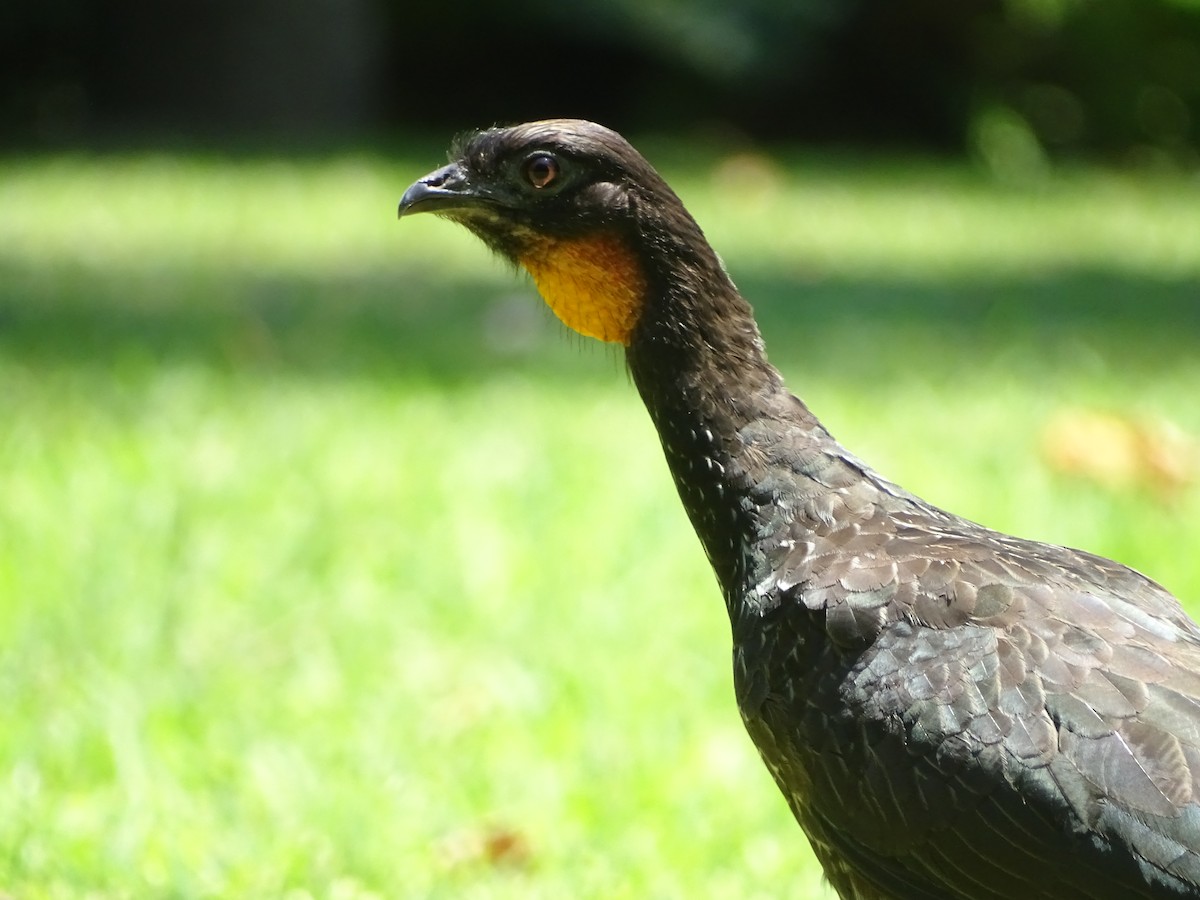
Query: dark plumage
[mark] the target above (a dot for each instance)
(949, 711)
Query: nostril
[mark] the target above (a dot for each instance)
(443, 189)
(446, 178)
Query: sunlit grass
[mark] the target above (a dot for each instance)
(298, 217)
(866, 222)
(329, 567)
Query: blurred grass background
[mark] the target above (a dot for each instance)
(331, 566)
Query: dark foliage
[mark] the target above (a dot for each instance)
(1118, 79)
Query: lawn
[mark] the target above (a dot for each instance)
(330, 566)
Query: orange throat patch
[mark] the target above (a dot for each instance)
(594, 283)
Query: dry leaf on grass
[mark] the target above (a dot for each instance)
(485, 845)
(1119, 451)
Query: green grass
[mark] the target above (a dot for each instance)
(326, 559)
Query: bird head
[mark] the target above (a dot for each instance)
(574, 204)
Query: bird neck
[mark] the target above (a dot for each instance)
(698, 361)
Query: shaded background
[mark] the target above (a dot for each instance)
(1117, 80)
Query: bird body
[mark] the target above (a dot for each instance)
(950, 712)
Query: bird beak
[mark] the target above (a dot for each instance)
(441, 191)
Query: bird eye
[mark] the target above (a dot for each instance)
(541, 169)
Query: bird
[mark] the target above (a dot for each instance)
(949, 711)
